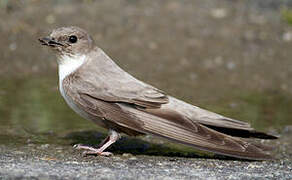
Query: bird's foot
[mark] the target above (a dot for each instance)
(112, 137)
(91, 150)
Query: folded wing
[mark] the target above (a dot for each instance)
(177, 129)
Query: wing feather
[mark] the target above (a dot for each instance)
(188, 132)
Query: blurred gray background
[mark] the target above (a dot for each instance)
(229, 56)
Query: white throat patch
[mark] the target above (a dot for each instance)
(68, 64)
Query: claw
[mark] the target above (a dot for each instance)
(113, 137)
(76, 146)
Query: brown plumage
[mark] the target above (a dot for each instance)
(104, 93)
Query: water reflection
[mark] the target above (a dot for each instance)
(34, 105)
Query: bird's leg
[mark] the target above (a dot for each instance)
(109, 140)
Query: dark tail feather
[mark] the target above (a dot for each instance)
(242, 133)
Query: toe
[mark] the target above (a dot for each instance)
(106, 154)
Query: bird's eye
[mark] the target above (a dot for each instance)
(72, 39)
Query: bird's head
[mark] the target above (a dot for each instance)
(68, 41)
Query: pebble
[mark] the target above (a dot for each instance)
(287, 36)
(219, 13)
(127, 155)
(44, 146)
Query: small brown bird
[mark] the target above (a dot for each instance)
(99, 90)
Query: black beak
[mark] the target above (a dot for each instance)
(50, 42)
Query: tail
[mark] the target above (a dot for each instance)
(204, 138)
(213, 120)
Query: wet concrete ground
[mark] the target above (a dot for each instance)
(231, 57)
(59, 162)
(133, 159)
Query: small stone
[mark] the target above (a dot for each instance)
(12, 46)
(219, 13)
(74, 162)
(133, 158)
(116, 158)
(231, 65)
(44, 146)
(287, 36)
(127, 155)
(159, 164)
(251, 166)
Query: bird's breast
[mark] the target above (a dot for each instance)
(70, 102)
(79, 110)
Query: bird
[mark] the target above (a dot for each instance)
(99, 90)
